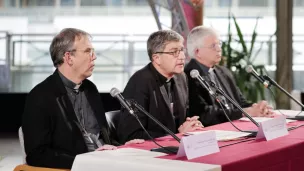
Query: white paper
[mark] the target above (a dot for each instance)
(130, 159)
(273, 128)
(222, 135)
(198, 145)
(262, 119)
(290, 112)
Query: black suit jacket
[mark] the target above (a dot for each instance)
(144, 87)
(52, 136)
(200, 101)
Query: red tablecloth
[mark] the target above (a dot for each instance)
(281, 154)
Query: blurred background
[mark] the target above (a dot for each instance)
(267, 34)
(120, 29)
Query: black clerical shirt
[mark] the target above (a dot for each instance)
(84, 113)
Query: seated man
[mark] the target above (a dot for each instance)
(63, 115)
(204, 48)
(161, 89)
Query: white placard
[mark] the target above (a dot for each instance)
(273, 128)
(198, 145)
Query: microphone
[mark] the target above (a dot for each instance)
(220, 91)
(129, 106)
(116, 93)
(170, 149)
(267, 81)
(250, 69)
(195, 74)
(271, 81)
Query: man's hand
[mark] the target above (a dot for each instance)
(261, 109)
(253, 111)
(135, 141)
(265, 108)
(191, 124)
(194, 118)
(106, 147)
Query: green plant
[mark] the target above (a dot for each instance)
(236, 59)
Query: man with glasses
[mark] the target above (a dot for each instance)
(161, 89)
(204, 47)
(63, 115)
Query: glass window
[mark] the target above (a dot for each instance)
(251, 3)
(297, 3)
(67, 2)
(137, 2)
(208, 3)
(117, 2)
(272, 3)
(9, 3)
(225, 3)
(38, 3)
(93, 2)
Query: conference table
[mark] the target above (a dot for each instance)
(285, 153)
(281, 154)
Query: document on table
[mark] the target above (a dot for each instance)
(222, 135)
(262, 119)
(290, 112)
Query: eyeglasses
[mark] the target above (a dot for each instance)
(173, 53)
(90, 51)
(214, 45)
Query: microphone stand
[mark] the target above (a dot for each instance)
(142, 110)
(204, 84)
(272, 82)
(220, 91)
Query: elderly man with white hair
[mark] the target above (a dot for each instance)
(204, 48)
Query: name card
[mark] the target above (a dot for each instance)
(273, 128)
(198, 145)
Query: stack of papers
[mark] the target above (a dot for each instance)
(290, 112)
(222, 135)
(262, 119)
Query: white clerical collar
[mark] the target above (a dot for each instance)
(211, 69)
(77, 86)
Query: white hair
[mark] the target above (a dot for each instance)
(196, 37)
